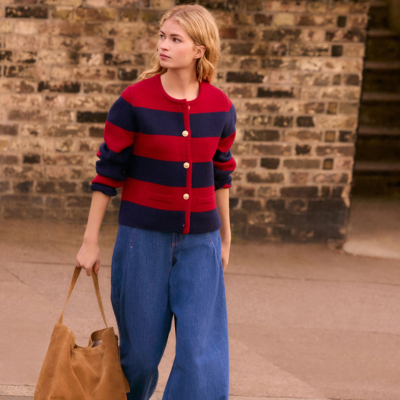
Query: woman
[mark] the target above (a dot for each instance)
(167, 143)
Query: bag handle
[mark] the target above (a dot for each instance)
(77, 271)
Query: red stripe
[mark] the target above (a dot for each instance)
(148, 194)
(127, 94)
(225, 166)
(107, 181)
(149, 96)
(153, 146)
(225, 143)
(117, 138)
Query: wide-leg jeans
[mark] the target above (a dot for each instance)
(156, 275)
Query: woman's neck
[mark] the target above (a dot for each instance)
(180, 87)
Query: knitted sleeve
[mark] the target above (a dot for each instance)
(116, 151)
(224, 163)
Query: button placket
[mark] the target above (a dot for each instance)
(186, 164)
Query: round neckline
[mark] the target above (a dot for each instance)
(180, 101)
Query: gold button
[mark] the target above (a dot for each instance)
(185, 133)
(185, 196)
(186, 165)
(189, 107)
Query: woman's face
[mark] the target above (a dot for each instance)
(177, 45)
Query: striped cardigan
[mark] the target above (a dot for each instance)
(168, 155)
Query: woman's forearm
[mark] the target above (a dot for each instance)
(96, 214)
(222, 197)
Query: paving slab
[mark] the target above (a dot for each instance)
(305, 322)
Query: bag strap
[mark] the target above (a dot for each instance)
(75, 276)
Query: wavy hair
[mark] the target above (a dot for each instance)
(200, 25)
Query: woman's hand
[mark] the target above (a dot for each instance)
(225, 248)
(89, 255)
(222, 196)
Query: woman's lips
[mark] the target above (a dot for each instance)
(163, 56)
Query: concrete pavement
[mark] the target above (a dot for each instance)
(305, 322)
(374, 228)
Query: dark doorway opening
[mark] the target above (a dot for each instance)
(377, 161)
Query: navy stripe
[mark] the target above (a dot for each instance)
(202, 174)
(108, 190)
(157, 122)
(144, 217)
(221, 178)
(222, 157)
(122, 114)
(229, 127)
(205, 221)
(111, 164)
(207, 124)
(170, 173)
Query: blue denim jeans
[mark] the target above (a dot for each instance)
(156, 275)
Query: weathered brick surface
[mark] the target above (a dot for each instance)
(292, 68)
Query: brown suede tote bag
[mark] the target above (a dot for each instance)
(72, 372)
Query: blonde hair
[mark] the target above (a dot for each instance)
(200, 25)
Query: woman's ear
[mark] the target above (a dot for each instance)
(200, 51)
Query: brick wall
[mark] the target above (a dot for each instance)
(292, 68)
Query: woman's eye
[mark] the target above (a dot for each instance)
(173, 39)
